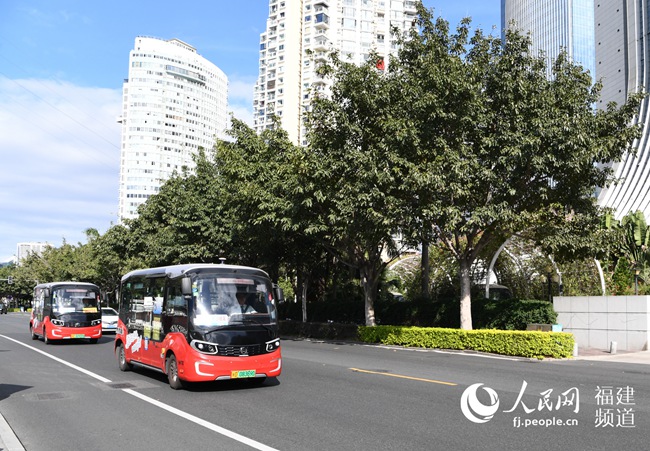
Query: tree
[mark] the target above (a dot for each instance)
(492, 144)
(356, 201)
(267, 195)
(184, 222)
(114, 255)
(630, 256)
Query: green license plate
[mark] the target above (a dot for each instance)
(78, 336)
(242, 374)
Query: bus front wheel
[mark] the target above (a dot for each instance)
(34, 336)
(175, 382)
(46, 340)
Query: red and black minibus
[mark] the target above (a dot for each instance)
(200, 322)
(66, 310)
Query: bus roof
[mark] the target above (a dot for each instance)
(174, 271)
(64, 284)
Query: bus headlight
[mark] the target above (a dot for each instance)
(57, 322)
(272, 345)
(96, 322)
(204, 347)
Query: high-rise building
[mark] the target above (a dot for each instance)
(622, 63)
(24, 250)
(555, 25)
(300, 34)
(174, 102)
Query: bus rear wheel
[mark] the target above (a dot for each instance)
(34, 336)
(175, 382)
(121, 359)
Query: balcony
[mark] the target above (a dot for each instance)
(321, 21)
(320, 56)
(320, 45)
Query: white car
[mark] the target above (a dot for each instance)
(109, 319)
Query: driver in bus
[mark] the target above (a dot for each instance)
(243, 305)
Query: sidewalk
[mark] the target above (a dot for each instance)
(640, 357)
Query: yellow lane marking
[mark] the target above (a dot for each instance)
(433, 381)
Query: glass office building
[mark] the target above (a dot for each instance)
(555, 25)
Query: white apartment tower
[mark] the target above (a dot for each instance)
(174, 102)
(24, 250)
(300, 33)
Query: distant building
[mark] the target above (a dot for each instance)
(623, 64)
(24, 250)
(174, 102)
(608, 37)
(301, 34)
(555, 25)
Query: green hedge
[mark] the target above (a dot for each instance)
(516, 343)
(328, 331)
(506, 314)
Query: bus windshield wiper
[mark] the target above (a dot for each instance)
(252, 319)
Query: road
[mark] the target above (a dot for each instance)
(331, 396)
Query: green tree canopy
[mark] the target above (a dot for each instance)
(495, 145)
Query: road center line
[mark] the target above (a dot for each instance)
(401, 376)
(206, 424)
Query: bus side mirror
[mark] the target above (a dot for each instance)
(186, 286)
(279, 293)
(46, 293)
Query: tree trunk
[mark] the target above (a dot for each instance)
(425, 265)
(301, 292)
(369, 282)
(465, 296)
(304, 302)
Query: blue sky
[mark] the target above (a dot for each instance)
(62, 65)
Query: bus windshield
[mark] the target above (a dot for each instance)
(74, 300)
(225, 300)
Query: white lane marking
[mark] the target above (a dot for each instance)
(10, 440)
(206, 424)
(73, 366)
(213, 427)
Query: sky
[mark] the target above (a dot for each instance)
(62, 66)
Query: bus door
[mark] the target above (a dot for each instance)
(144, 319)
(175, 309)
(37, 310)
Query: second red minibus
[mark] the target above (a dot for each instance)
(66, 310)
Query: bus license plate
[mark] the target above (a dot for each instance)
(242, 374)
(78, 336)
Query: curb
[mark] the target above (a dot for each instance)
(8, 440)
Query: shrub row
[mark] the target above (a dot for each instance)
(516, 343)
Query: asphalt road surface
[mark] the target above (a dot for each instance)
(330, 396)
